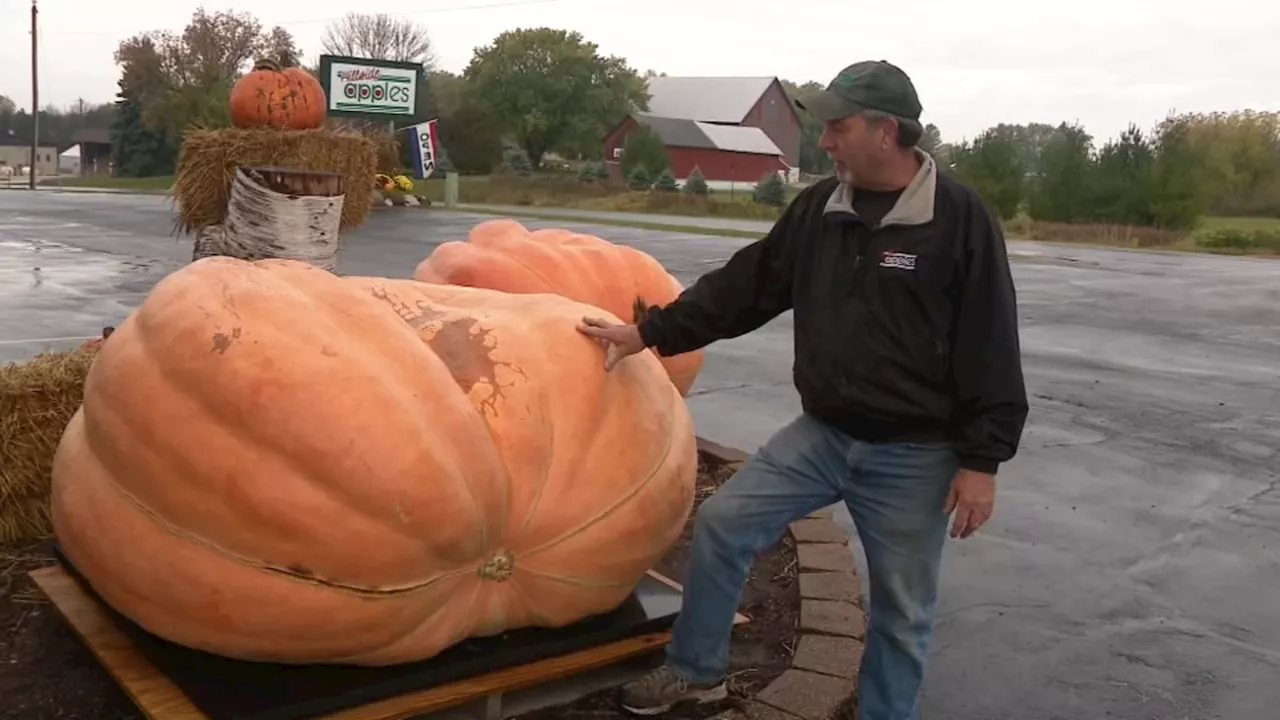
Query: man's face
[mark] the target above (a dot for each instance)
(855, 145)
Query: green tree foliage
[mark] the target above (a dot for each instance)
(173, 81)
(666, 182)
(990, 164)
(642, 146)
(136, 149)
(639, 178)
(552, 89)
(1028, 142)
(696, 183)
(1241, 154)
(1178, 195)
(591, 172)
(514, 159)
(473, 137)
(1060, 191)
(1120, 184)
(770, 190)
(931, 140)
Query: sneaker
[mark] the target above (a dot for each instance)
(662, 688)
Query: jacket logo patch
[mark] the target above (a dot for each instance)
(897, 260)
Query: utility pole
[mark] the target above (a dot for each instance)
(35, 102)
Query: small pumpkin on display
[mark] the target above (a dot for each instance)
(364, 470)
(282, 98)
(504, 255)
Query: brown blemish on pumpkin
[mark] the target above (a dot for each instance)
(465, 348)
(222, 341)
(417, 317)
(302, 570)
(328, 351)
(461, 344)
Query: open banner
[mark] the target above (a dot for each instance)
(422, 140)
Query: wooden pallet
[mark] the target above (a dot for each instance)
(160, 699)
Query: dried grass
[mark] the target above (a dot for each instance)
(37, 399)
(1133, 236)
(207, 163)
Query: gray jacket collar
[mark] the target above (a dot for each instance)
(914, 206)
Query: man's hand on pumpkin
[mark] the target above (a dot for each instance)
(619, 341)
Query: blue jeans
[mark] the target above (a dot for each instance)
(895, 493)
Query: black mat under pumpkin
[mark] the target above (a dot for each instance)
(226, 689)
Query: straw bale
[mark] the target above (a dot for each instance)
(38, 397)
(208, 159)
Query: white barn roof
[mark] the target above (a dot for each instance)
(705, 99)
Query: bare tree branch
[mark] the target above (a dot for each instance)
(381, 37)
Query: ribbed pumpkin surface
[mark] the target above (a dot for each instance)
(503, 255)
(275, 463)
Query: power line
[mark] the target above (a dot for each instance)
(432, 11)
(409, 13)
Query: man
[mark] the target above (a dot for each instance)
(907, 365)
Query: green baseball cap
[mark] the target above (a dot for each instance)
(867, 85)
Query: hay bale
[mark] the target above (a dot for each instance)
(37, 399)
(208, 160)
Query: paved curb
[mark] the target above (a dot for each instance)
(832, 628)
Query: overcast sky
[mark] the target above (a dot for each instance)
(1103, 63)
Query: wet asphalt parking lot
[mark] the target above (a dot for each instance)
(1132, 569)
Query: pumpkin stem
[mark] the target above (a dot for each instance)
(266, 64)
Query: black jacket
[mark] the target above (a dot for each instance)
(904, 332)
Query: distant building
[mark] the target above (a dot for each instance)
(94, 150)
(732, 129)
(15, 152)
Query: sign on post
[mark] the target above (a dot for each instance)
(370, 89)
(422, 140)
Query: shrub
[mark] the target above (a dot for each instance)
(517, 161)
(643, 147)
(770, 191)
(696, 184)
(638, 178)
(666, 182)
(1236, 239)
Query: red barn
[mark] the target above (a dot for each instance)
(732, 129)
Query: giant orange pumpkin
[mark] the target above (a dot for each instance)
(503, 255)
(290, 98)
(276, 463)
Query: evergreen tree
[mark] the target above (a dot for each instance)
(666, 181)
(1178, 194)
(639, 179)
(770, 190)
(696, 184)
(137, 150)
(643, 147)
(1061, 192)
